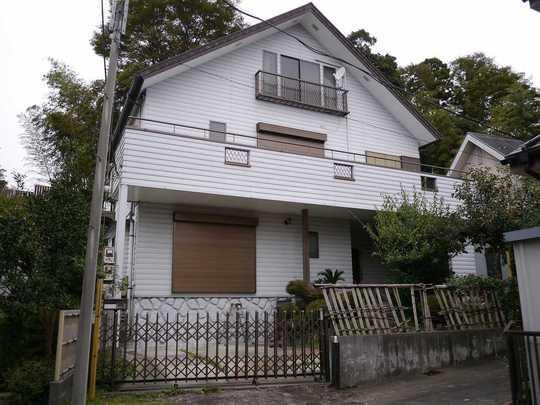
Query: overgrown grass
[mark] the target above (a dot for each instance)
(160, 397)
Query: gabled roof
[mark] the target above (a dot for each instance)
(503, 145)
(529, 146)
(496, 146)
(320, 28)
(525, 158)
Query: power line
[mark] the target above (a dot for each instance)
(383, 82)
(246, 85)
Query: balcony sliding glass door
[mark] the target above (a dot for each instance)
(290, 83)
(310, 88)
(270, 76)
(330, 92)
(301, 80)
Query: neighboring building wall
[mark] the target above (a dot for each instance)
(279, 251)
(476, 157)
(465, 263)
(527, 256)
(226, 93)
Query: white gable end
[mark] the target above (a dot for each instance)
(222, 90)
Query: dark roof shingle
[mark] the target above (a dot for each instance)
(501, 144)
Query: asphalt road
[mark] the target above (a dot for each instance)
(485, 383)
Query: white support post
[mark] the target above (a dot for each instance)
(122, 211)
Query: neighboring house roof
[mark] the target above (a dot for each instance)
(526, 157)
(535, 4)
(496, 146)
(318, 26)
(501, 144)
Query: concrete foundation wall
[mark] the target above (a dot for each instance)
(375, 357)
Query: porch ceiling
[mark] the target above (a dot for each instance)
(163, 196)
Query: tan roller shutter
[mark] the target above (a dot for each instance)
(213, 257)
(292, 140)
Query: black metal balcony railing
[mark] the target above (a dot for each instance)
(300, 93)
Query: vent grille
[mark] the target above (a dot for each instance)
(238, 157)
(343, 172)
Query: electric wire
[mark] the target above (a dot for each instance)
(381, 81)
(252, 87)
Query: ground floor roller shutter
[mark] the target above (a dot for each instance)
(214, 254)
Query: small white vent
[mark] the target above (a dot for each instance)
(238, 157)
(343, 172)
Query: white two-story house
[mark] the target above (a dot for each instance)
(253, 160)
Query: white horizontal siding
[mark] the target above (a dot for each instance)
(223, 90)
(187, 164)
(153, 253)
(116, 173)
(334, 247)
(465, 263)
(279, 251)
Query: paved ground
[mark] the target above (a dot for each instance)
(485, 383)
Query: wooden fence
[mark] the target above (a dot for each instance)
(66, 345)
(358, 309)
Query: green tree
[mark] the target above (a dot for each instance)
(415, 238)
(160, 29)
(42, 244)
(387, 64)
(476, 87)
(492, 203)
(61, 134)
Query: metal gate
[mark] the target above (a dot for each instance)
(524, 365)
(211, 346)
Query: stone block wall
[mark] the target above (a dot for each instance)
(162, 306)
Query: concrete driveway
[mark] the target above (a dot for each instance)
(485, 383)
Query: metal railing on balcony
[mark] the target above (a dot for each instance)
(300, 93)
(251, 142)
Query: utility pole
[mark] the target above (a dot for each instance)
(80, 378)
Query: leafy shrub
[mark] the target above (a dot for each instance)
(29, 382)
(415, 237)
(506, 292)
(315, 306)
(289, 307)
(107, 372)
(330, 276)
(306, 292)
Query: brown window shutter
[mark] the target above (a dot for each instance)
(410, 163)
(383, 159)
(291, 140)
(214, 257)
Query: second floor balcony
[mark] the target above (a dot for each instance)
(167, 156)
(300, 93)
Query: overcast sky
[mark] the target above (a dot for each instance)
(32, 31)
